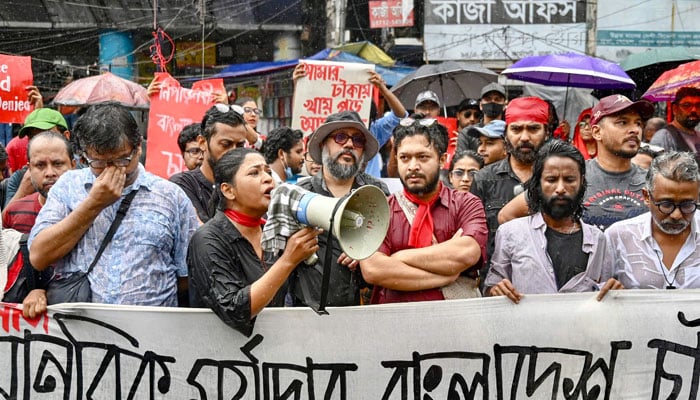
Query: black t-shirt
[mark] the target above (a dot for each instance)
(198, 189)
(565, 252)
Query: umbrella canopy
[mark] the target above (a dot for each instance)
(452, 81)
(103, 88)
(664, 89)
(659, 55)
(570, 70)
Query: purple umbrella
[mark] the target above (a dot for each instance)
(570, 70)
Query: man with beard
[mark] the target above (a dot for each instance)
(498, 183)
(551, 250)
(284, 153)
(341, 145)
(659, 249)
(223, 129)
(49, 155)
(614, 190)
(436, 239)
(680, 134)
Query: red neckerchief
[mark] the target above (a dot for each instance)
(422, 227)
(245, 220)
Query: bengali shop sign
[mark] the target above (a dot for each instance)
(390, 14)
(632, 345)
(15, 76)
(330, 87)
(173, 108)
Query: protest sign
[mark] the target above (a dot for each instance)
(330, 87)
(15, 76)
(632, 345)
(173, 108)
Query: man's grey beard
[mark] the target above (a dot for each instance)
(338, 170)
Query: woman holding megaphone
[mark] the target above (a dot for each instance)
(228, 270)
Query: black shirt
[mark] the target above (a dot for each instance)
(344, 286)
(222, 266)
(565, 251)
(198, 189)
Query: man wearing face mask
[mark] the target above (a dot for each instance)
(493, 102)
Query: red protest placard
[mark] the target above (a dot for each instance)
(173, 108)
(390, 14)
(15, 76)
(451, 125)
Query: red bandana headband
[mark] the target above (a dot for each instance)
(527, 109)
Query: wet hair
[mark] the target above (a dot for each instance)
(673, 165)
(188, 134)
(213, 115)
(105, 127)
(280, 138)
(50, 135)
(436, 134)
(467, 154)
(225, 169)
(554, 148)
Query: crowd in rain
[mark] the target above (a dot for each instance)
(512, 202)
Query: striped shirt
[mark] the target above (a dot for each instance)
(20, 215)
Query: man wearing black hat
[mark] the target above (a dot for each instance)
(680, 134)
(468, 115)
(341, 145)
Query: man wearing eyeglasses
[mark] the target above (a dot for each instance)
(192, 155)
(144, 262)
(341, 145)
(223, 128)
(680, 134)
(660, 249)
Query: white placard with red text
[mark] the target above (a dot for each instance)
(330, 87)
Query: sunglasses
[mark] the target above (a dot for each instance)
(357, 141)
(584, 125)
(668, 207)
(422, 122)
(224, 108)
(472, 113)
(459, 173)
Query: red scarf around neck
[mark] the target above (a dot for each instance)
(422, 226)
(245, 220)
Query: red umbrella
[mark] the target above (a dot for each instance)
(102, 88)
(666, 86)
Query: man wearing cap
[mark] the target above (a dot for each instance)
(468, 115)
(341, 145)
(614, 190)
(436, 239)
(39, 120)
(428, 104)
(493, 102)
(492, 145)
(498, 183)
(680, 134)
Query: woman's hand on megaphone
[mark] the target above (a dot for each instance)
(301, 245)
(348, 262)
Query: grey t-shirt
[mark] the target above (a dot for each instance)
(612, 196)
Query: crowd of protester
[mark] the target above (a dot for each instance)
(525, 207)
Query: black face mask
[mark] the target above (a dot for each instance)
(492, 110)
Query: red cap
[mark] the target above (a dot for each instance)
(527, 109)
(616, 103)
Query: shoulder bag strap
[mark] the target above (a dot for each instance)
(123, 207)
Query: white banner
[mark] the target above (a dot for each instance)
(330, 87)
(632, 345)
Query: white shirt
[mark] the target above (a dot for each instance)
(638, 256)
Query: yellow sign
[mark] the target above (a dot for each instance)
(189, 54)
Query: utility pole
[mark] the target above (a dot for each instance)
(591, 26)
(335, 30)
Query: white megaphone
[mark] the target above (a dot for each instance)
(360, 220)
